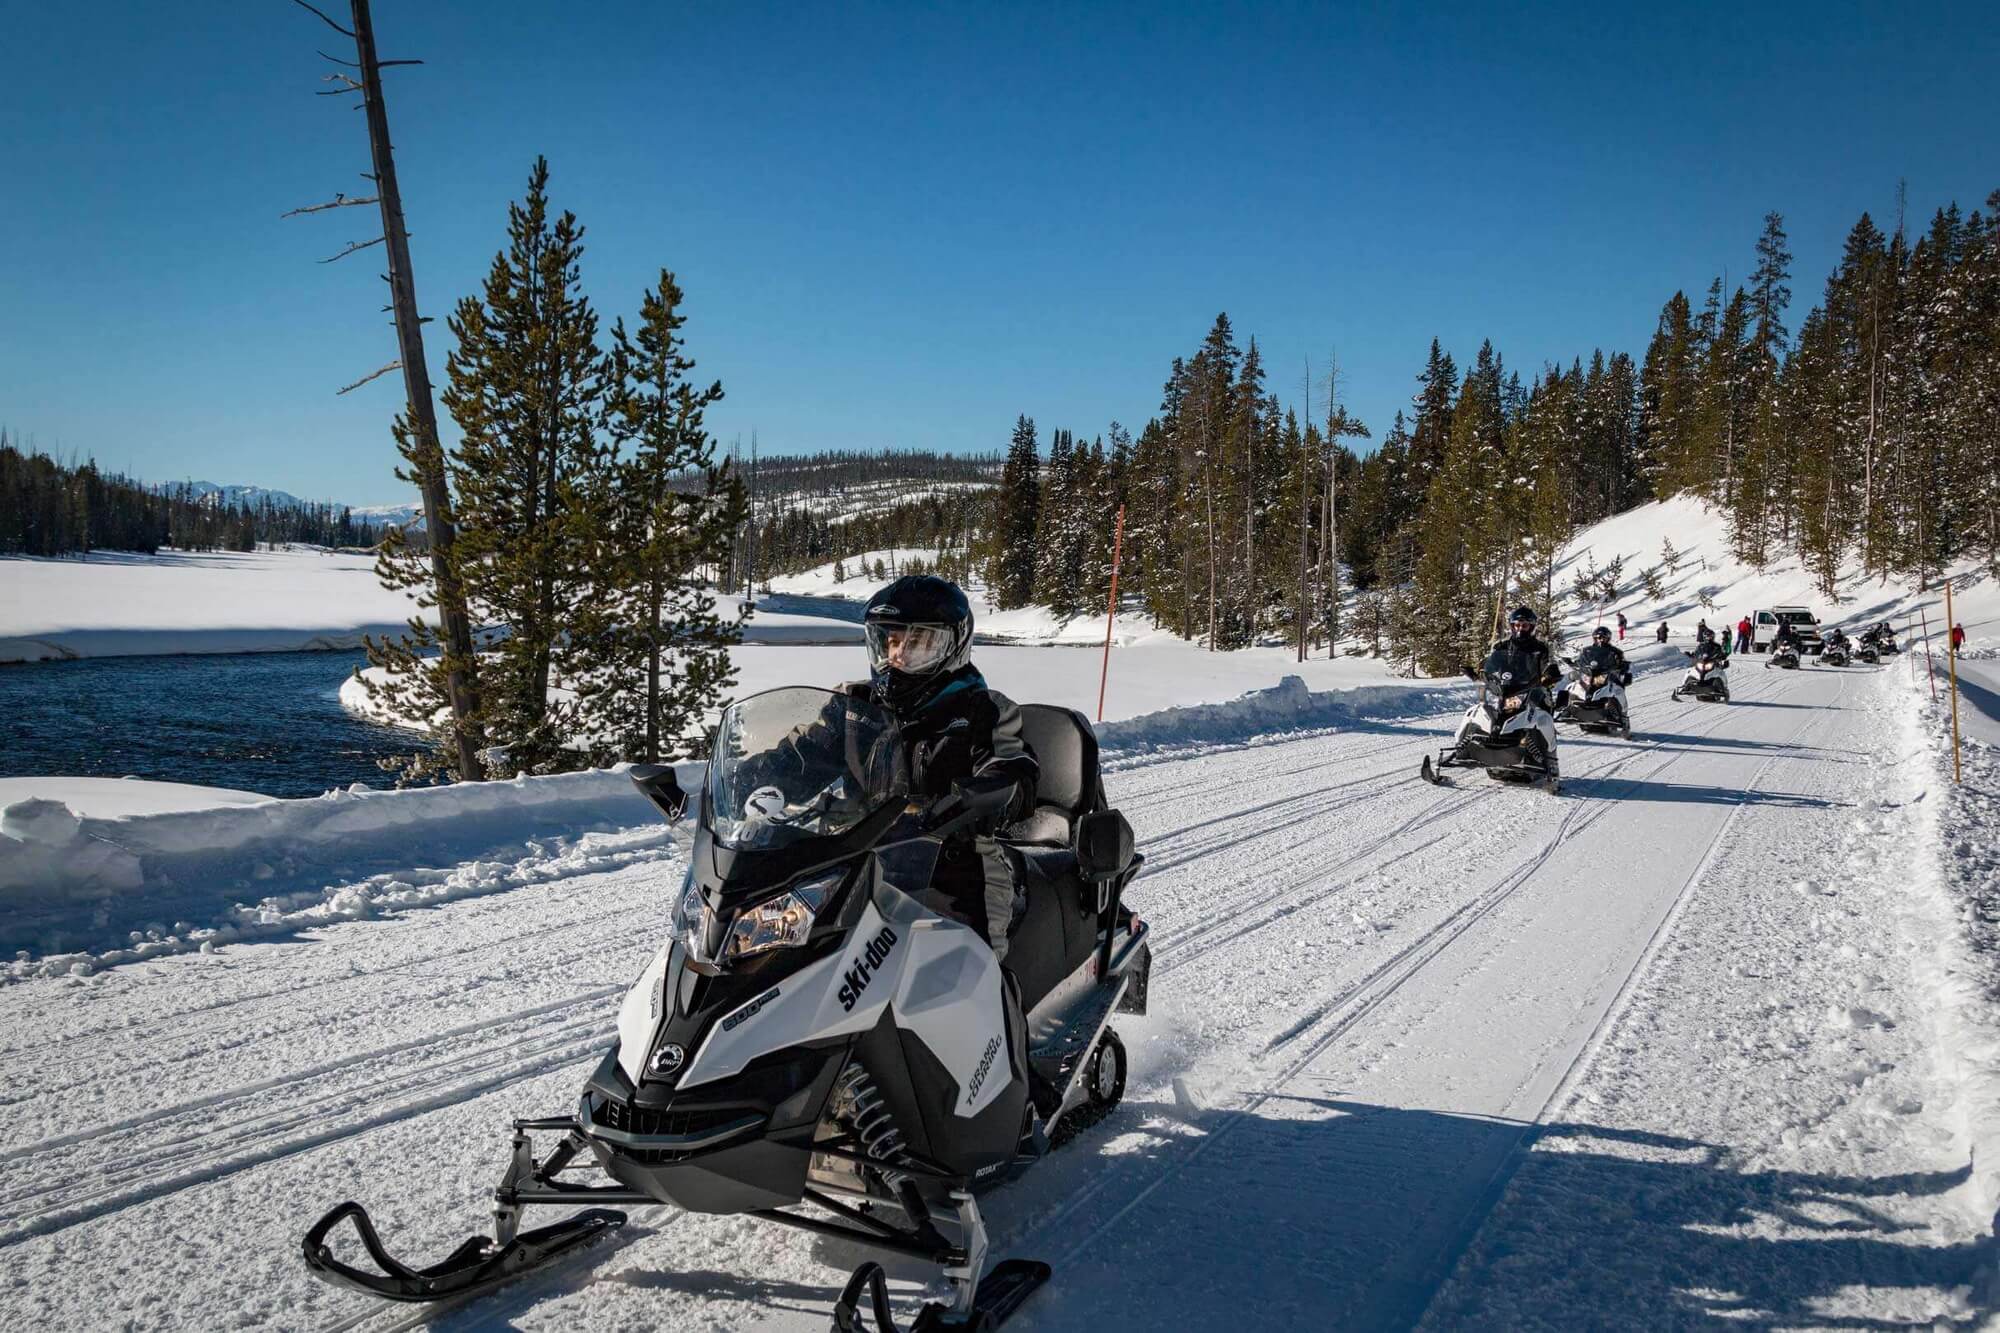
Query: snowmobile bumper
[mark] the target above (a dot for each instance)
(478, 1265)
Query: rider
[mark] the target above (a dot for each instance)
(1784, 639)
(958, 733)
(1836, 639)
(1521, 640)
(1602, 657)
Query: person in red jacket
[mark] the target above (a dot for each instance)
(1743, 635)
(1957, 638)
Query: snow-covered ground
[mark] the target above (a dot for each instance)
(1664, 1049)
(1710, 1036)
(116, 603)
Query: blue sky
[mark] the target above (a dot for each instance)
(903, 225)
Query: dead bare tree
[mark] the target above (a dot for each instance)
(427, 457)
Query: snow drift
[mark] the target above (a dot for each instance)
(78, 888)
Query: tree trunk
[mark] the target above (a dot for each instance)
(455, 628)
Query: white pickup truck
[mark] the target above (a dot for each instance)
(1764, 626)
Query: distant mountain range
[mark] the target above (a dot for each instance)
(400, 515)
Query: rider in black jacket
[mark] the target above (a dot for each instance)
(1602, 657)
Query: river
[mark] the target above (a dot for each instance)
(263, 722)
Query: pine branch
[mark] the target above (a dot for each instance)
(329, 22)
(338, 201)
(352, 246)
(372, 375)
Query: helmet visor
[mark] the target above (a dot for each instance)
(915, 650)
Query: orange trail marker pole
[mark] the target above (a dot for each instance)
(1111, 608)
(1951, 659)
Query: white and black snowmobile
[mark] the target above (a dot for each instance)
(1509, 731)
(817, 1044)
(1882, 639)
(1835, 653)
(1867, 652)
(1784, 656)
(1707, 678)
(1595, 701)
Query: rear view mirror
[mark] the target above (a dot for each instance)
(1103, 844)
(659, 785)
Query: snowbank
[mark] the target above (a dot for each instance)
(114, 603)
(170, 870)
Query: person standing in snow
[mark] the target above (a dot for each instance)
(1663, 632)
(1957, 639)
(1621, 627)
(1743, 635)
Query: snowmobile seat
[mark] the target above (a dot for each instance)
(1058, 929)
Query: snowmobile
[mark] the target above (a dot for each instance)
(816, 1044)
(1868, 652)
(1596, 702)
(1707, 679)
(1784, 656)
(1834, 654)
(1882, 639)
(1509, 731)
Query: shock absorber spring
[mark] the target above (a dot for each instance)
(870, 1117)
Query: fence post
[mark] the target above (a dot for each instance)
(1930, 670)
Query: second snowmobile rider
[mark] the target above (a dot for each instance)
(1603, 656)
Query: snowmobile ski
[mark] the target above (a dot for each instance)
(1004, 1289)
(476, 1266)
(1429, 773)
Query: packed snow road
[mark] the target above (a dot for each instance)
(1381, 1013)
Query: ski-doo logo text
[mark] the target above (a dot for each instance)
(862, 970)
(985, 1065)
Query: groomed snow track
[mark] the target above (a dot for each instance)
(1369, 995)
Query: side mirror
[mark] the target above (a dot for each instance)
(1103, 845)
(659, 785)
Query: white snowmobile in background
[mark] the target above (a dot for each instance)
(1594, 701)
(1509, 731)
(1836, 651)
(815, 1044)
(1867, 652)
(1784, 656)
(1707, 678)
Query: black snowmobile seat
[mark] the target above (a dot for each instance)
(1058, 929)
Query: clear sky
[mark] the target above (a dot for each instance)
(903, 225)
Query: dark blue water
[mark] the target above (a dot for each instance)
(264, 722)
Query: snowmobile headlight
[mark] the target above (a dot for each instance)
(784, 922)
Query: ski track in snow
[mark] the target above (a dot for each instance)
(1374, 1001)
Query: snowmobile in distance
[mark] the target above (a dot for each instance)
(1882, 639)
(1594, 702)
(1784, 655)
(1867, 652)
(1707, 677)
(1509, 731)
(815, 1044)
(1835, 653)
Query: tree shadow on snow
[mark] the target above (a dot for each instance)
(1328, 1213)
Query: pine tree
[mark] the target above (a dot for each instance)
(649, 651)
(524, 384)
(1011, 568)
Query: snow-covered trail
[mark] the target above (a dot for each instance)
(1367, 993)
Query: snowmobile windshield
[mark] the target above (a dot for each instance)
(797, 764)
(1510, 670)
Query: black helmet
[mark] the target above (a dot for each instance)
(1705, 634)
(1602, 634)
(919, 631)
(1521, 620)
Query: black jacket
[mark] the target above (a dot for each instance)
(1541, 663)
(1608, 659)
